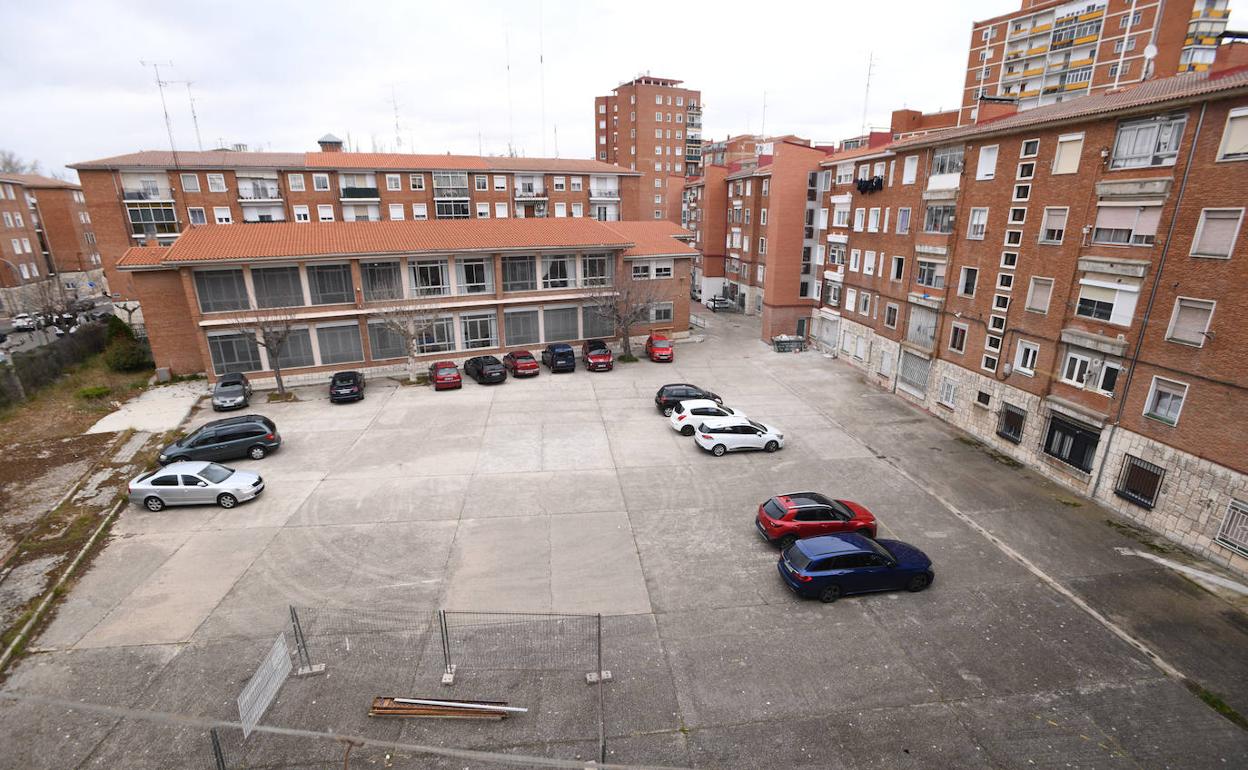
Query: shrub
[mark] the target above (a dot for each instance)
(118, 328)
(94, 392)
(127, 355)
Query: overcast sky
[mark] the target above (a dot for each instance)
(278, 75)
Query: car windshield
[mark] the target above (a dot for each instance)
(345, 380)
(679, 408)
(445, 371)
(233, 389)
(216, 473)
(524, 359)
(775, 510)
(881, 550)
(664, 344)
(758, 425)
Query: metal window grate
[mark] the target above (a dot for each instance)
(1140, 481)
(1011, 427)
(1234, 530)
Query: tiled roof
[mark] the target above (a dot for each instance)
(273, 240)
(854, 154)
(38, 181)
(654, 239)
(764, 170)
(222, 159)
(1147, 94)
(142, 256)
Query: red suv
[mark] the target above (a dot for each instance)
(521, 363)
(445, 375)
(785, 519)
(597, 356)
(659, 348)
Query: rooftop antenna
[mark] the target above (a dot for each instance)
(763, 129)
(194, 117)
(394, 103)
(511, 125)
(160, 85)
(541, 70)
(867, 94)
(556, 127)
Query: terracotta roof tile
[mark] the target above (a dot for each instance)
(391, 160)
(854, 154)
(278, 240)
(142, 256)
(654, 239)
(38, 181)
(208, 159)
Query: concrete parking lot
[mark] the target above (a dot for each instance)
(569, 493)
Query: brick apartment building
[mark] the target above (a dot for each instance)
(47, 243)
(1048, 52)
(1065, 284)
(149, 198)
(652, 126)
(464, 288)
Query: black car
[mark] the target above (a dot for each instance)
(346, 386)
(231, 391)
(671, 395)
(559, 358)
(485, 369)
(248, 435)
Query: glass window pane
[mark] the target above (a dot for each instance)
(330, 284)
(277, 286)
(382, 281)
(296, 350)
(561, 323)
(340, 344)
(234, 353)
(385, 341)
(221, 290)
(521, 327)
(595, 323)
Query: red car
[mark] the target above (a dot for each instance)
(597, 356)
(659, 348)
(445, 375)
(521, 363)
(785, 519)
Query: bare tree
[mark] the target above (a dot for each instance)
(12, 163)
(272, 329)
(412, 320)
(626, 305)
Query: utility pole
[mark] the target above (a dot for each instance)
(164, 106)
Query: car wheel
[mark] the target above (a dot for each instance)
(771, 446)
(787, 542)
(226, 500)
(257, 452)
(687, 430)
(154, 504)
(830, 594)
(667, 411)
(919, 582)
(718, 450)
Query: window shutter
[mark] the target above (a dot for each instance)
(1040, 294)
(1097, 293)
(987, 168)
(1149, 217)
(1115, 217)
(1217, 233)
(1055, 219)
(1190, 321)
(1235, 141)
(1066, 160)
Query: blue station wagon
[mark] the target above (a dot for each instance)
(831, 566)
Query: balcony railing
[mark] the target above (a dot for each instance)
(595, 192)
(146, 195)
(360, 192)
(450, 192)
(530, 193)
(258, 193)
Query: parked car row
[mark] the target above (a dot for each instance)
(716, 428)
(596, 356)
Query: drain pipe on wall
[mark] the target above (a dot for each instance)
(1152, 299)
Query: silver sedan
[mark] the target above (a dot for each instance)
(194, 483)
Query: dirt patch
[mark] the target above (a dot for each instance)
(58, 411)
(1142, 536)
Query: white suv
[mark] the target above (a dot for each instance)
(687, 414)
(719, 435)
(23, 322)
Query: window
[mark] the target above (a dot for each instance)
(1165, 400)
(661, 313)
(560, 323)
(221, 290)
(393, 182)
(1066, 158)
(234, 352)
(855, 259)
(1109, 378)
(978, 225)
(864, 303)
(1235, 136)
(1011, 425)
(840, 215)
(938, 219)
(330, 284)
(560, 184)
(195, 216)
(1139, 481)
(663, 268)
(910, 169)
(216, 183)
(1053, 228)
(519, 274)
(1075, 370)
(1131, 225)
(222, 215)
(396, 212)
(416, 181)
(451, 209)
(521, 327)
(766, 186)
(948, 392)
(1018, 216)
(930, 274)
(762, 246)
(190, 183)
(420, 211)
(957, 338)
(903, 221)
(320, 182)
(1070, 443)
(596, 270)
(476, 276)
(982, 398)
(845, 173)
(385, 342)
(301, 214)
(339, 343)
(966, 284)
(438, 336)
(1190, 321)
(325, 212)
(1129, 20)
(500, 210)
(1217, 231)
(480, 331)
(890, 315)
(450, 184)
(987, 166)
(483, 210)
(277, 286)
(381, 281)
(1233, 533)
(860, 216)
(558, 271)
(1026, 171)
(873, 220)
(1038, 295)
(1022, 192)
(577, 184)
(898, 269)
(947, 160)
(1148, 142)
(295, 182)
(1025, 358)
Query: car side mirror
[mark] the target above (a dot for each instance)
(202, 484)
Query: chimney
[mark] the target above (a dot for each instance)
(1231, 53)
(330, 143)
(994, 108)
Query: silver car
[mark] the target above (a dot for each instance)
(194, 483)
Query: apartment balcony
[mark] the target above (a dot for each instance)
(1090, 15)
(260, 194)
(1087, 39)
(445, 193)
(1037, 50)
(604, 194)
(360, 194)
(146, 195)
(530, 194)
(1200, 40)
(1210, 13)
(1029, 94)
(1075, 86)
(1051, 90)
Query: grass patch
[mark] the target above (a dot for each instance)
(1215, 702)
(58, 411)
(1066, 501)
(93, 392)
(186, 378)
(279, 397)
(1141, 536)
(627, 358)
(967, 440)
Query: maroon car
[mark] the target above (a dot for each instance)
(445, 375)
(597, 356)
(785, 519)
(521, 363)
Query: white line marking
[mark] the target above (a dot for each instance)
(1195, 574)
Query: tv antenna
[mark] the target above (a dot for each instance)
(511, 124)
(394, 104)
(762, 130)
(199, 142)
(541, 70)
(867, 93)
(164, 106)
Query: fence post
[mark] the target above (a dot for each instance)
(306, 668)
(602, 717)
(217, 757)
(448, 675)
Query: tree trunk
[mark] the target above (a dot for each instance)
(628, 339)
(413, 369)
(277, 375)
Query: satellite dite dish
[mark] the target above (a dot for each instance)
(1150, 52)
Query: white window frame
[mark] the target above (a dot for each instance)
(190, 217)
(1078, 358)
(396, 207)
(973, 234)
(500, 209)
(1239, 113)
(1020, 357)
(194, 178)
(394, 182)
(323, 209)
(1172, 385)
(420, 212)
(222, 219)
(216, 183)
(302, 209)
(983, 170)
(320, 182)
(1200, 226)
(294, 182)
(1031, 290)
(1174, 317)
(1067, 140)
(966, 331)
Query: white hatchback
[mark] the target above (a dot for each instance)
(687, 414)
(729, 434)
